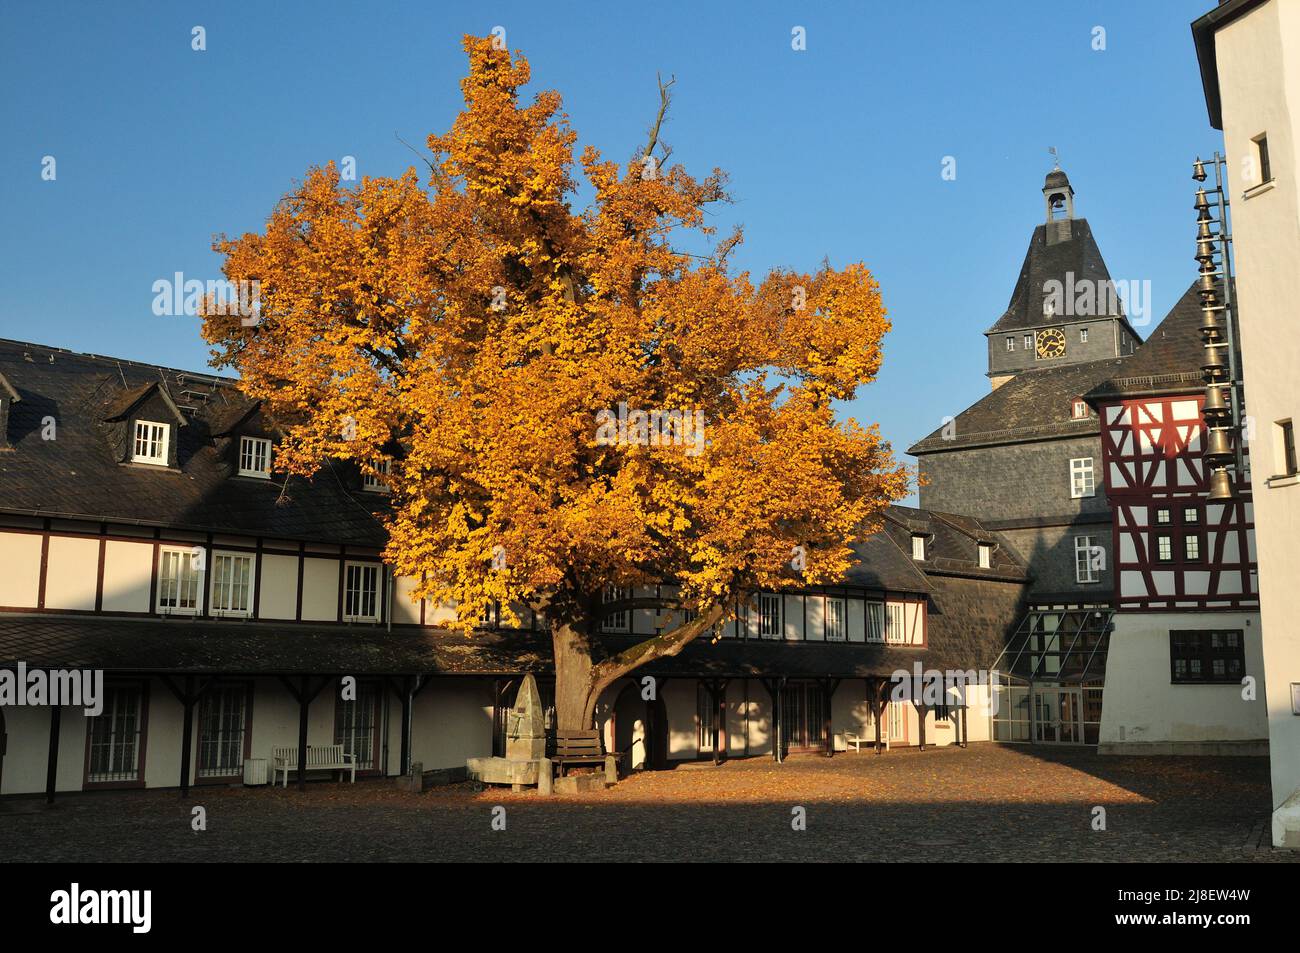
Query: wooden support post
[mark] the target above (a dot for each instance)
(188, 697)
(720, 746)
(717, 689)
(187, 735)
(828, 686)
(405, 765)
(921, 712)
(52, 765)
(965, 737)
(304, 704)
(876, 688)
(304, 694)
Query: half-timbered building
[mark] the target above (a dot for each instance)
(146, 534)
(1187, 626)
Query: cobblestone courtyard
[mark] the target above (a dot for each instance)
(983, 803)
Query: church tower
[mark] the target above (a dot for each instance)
(1064, 308)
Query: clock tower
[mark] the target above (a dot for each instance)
(1064, 308)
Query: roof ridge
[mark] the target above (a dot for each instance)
(88, 355)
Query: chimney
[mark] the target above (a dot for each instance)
(8, 397)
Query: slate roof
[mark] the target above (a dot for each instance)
(76, 475)
(952, 544)
(1170, 360)
(232, 647)
(158, 646)
(1044, 262)
(1034, 405)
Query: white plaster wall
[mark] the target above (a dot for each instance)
(320, 590)
(679, 698)
(71, 572)
(1258, 60)
(20, 555)
(1141, 705)
(279, 594)
(128, 569)
(405, 610)
(452, 722)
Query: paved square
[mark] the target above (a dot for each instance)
(987, 802)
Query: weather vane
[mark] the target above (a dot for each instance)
(1056, 159)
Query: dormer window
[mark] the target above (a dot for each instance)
(150, 444)
(1079, 409)
(986, 556)
(372, 482)
(918, 547)
(255, 457)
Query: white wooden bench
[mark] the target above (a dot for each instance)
(857, 740)
(319, 758)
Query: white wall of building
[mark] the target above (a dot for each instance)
(1258, 62)
(1143, 712)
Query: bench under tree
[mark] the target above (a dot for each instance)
(583, 747)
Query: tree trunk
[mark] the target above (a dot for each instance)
(573, 683)
(579, 680)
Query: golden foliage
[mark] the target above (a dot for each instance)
(469, 330)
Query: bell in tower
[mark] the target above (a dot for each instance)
(1059, 198)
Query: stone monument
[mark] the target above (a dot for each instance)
(525, 761)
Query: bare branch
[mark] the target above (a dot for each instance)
(664, 99)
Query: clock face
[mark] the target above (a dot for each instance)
(1051, 343)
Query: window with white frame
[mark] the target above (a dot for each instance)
(1083, 335)
(180, 579)
(1029, 342)
(616, 621)
(376, 484)
(837, 627)
(1082, 481)
(1087, 559)
(875, 622)
(150, 444)
(232, 584)
(1011, 343)
(894, 629)
(769, 615)
(255, 457)
(918, 547)
(361, 592)
(986, 556)
(1079, 410)
(488, 618)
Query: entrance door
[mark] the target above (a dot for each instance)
(1057, 715)
(897, 721)
(803, 716)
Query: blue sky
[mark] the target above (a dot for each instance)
(833, 151)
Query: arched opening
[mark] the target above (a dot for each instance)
(640, 730)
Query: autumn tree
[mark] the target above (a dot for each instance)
(476, 333)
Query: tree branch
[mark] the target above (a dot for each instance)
(664, 99)
(664, 645)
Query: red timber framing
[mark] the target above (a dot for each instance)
(1172, 549)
